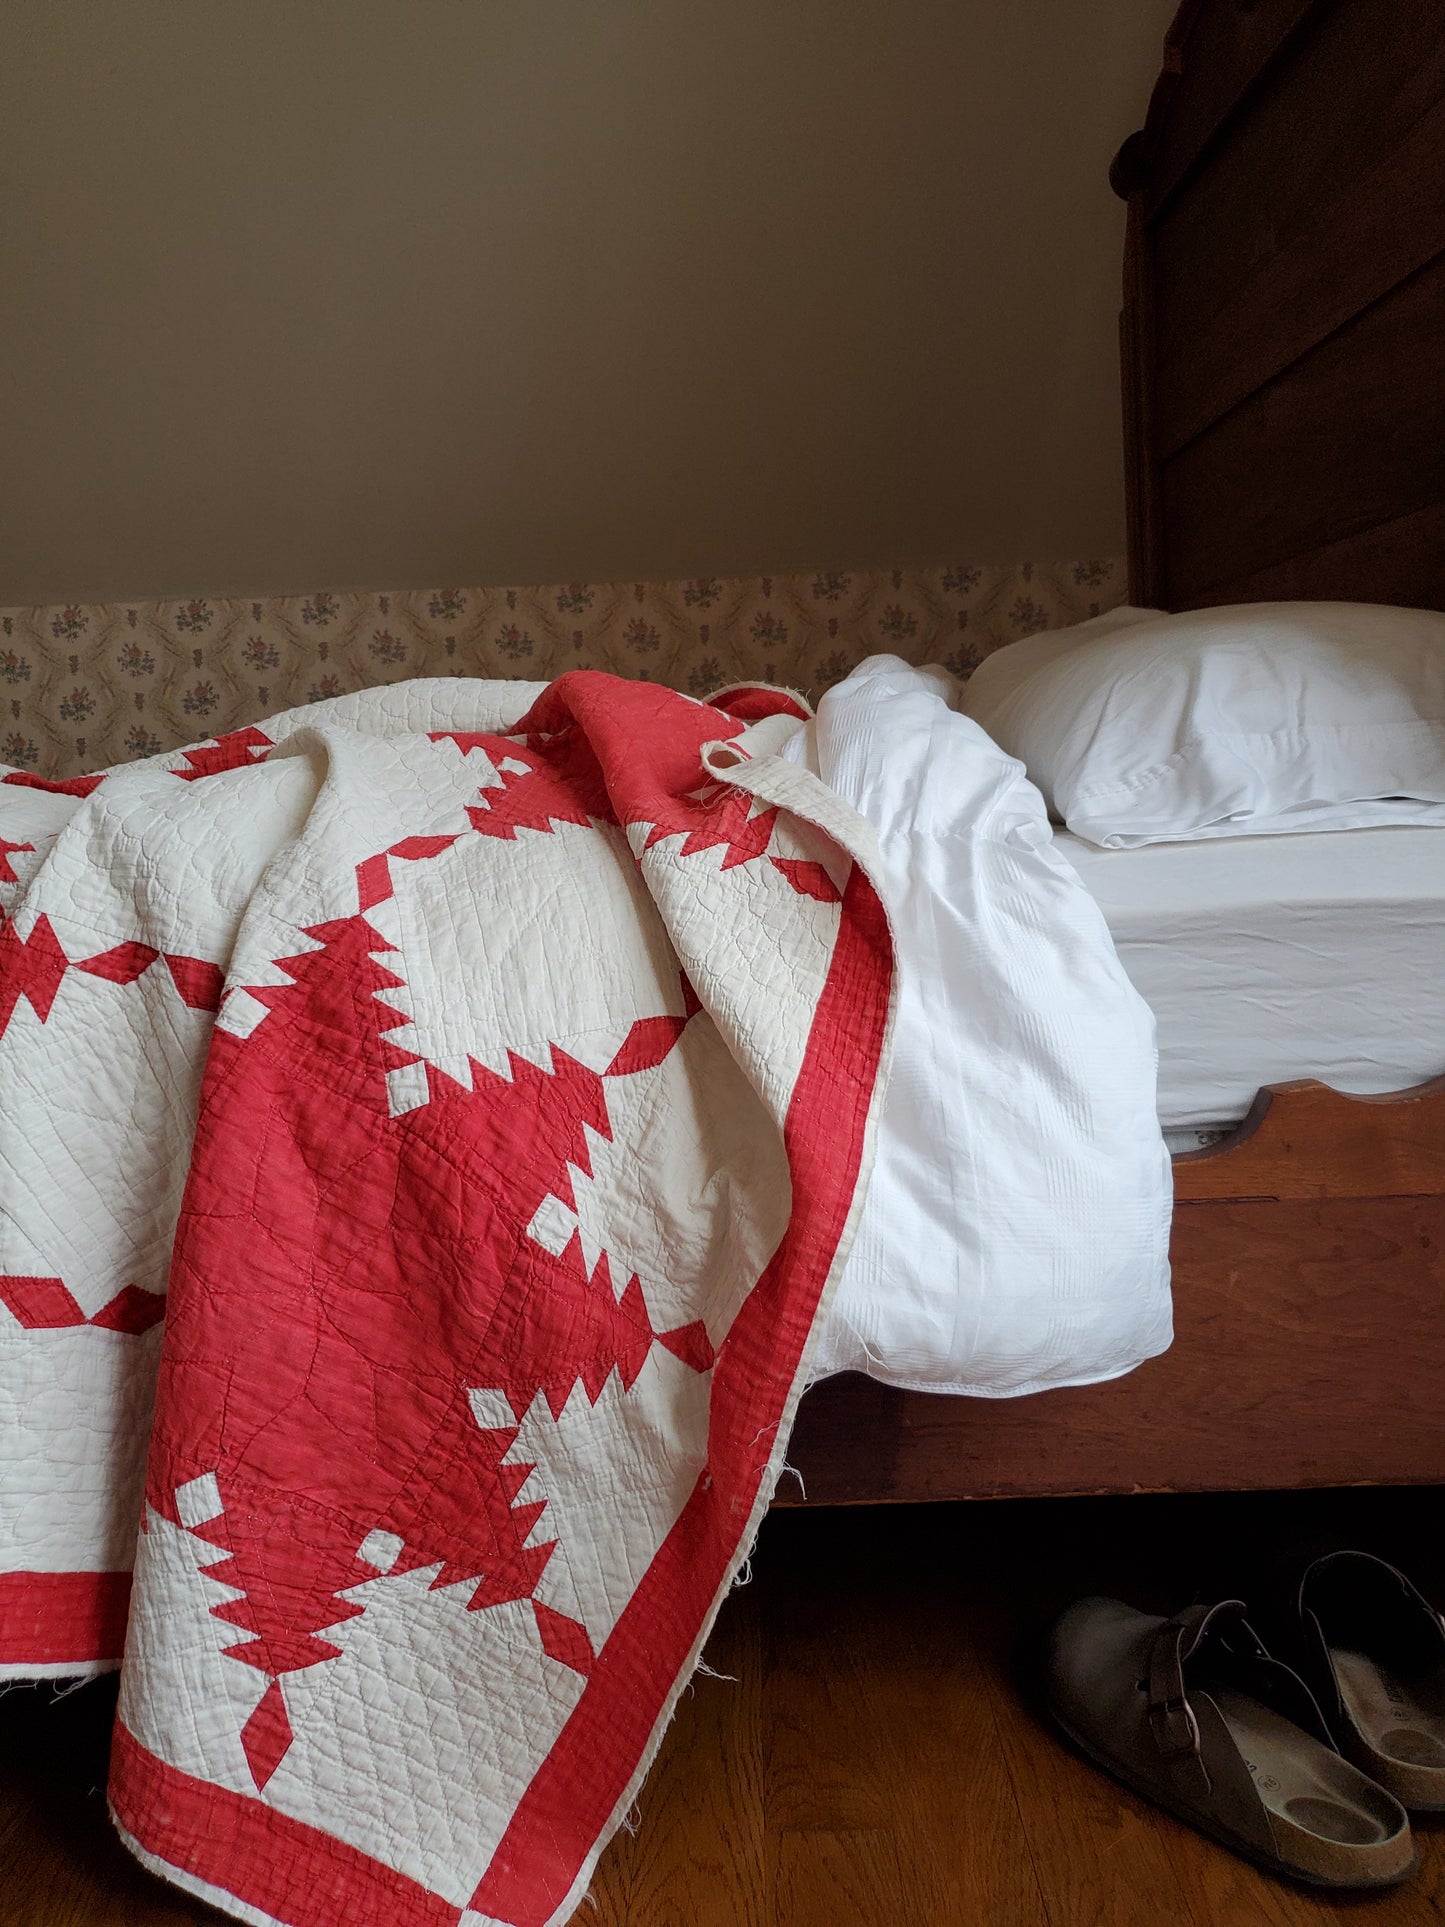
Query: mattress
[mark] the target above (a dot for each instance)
(1277, 957)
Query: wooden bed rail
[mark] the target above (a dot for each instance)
(1309, 1294)
(1306, 1140)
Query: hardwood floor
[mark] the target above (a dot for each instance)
(871, 1759)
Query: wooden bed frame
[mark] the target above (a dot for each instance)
(1283, 348)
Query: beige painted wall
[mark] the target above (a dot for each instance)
(382, 292)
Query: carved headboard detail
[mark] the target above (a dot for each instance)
(1283, 331)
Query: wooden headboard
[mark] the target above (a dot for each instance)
(1284, 306)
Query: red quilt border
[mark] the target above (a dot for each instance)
(63, 1618)
(201, 1829)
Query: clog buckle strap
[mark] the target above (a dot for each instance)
(1175, 1729)
(1171, 1717)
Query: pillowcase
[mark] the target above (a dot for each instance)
(1141, 727)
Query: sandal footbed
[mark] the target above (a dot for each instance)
(1356, 1876)
(1399, 1726)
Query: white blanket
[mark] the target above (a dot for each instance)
(1015, 1233)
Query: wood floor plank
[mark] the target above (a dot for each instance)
(841, 1880)
(63, 1864)
(1103, 1862)
(697, 1857)
(879, 1722)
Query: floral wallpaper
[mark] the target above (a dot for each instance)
(85, 686)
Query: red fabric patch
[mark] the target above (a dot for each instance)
(555, 1327)
(132, 1311)
(691, 1344)
(563, 1639)
(122, 965)
(373, 875)
(266, 1735)
(47, 1304)
(808, 879)
(234, 750)
(7, 868)
(72, 786)
(755, 703)
(601, 724)
(200, 983)
(41, 1304)
(32, 967)
(646, 1044)
(62, 1618)
(289, 1572)
(727, 818)
(561, 784)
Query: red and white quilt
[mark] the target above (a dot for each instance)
(489, 1074)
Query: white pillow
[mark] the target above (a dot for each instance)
(1141, 727)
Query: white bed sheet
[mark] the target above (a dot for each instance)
(1277, 957)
